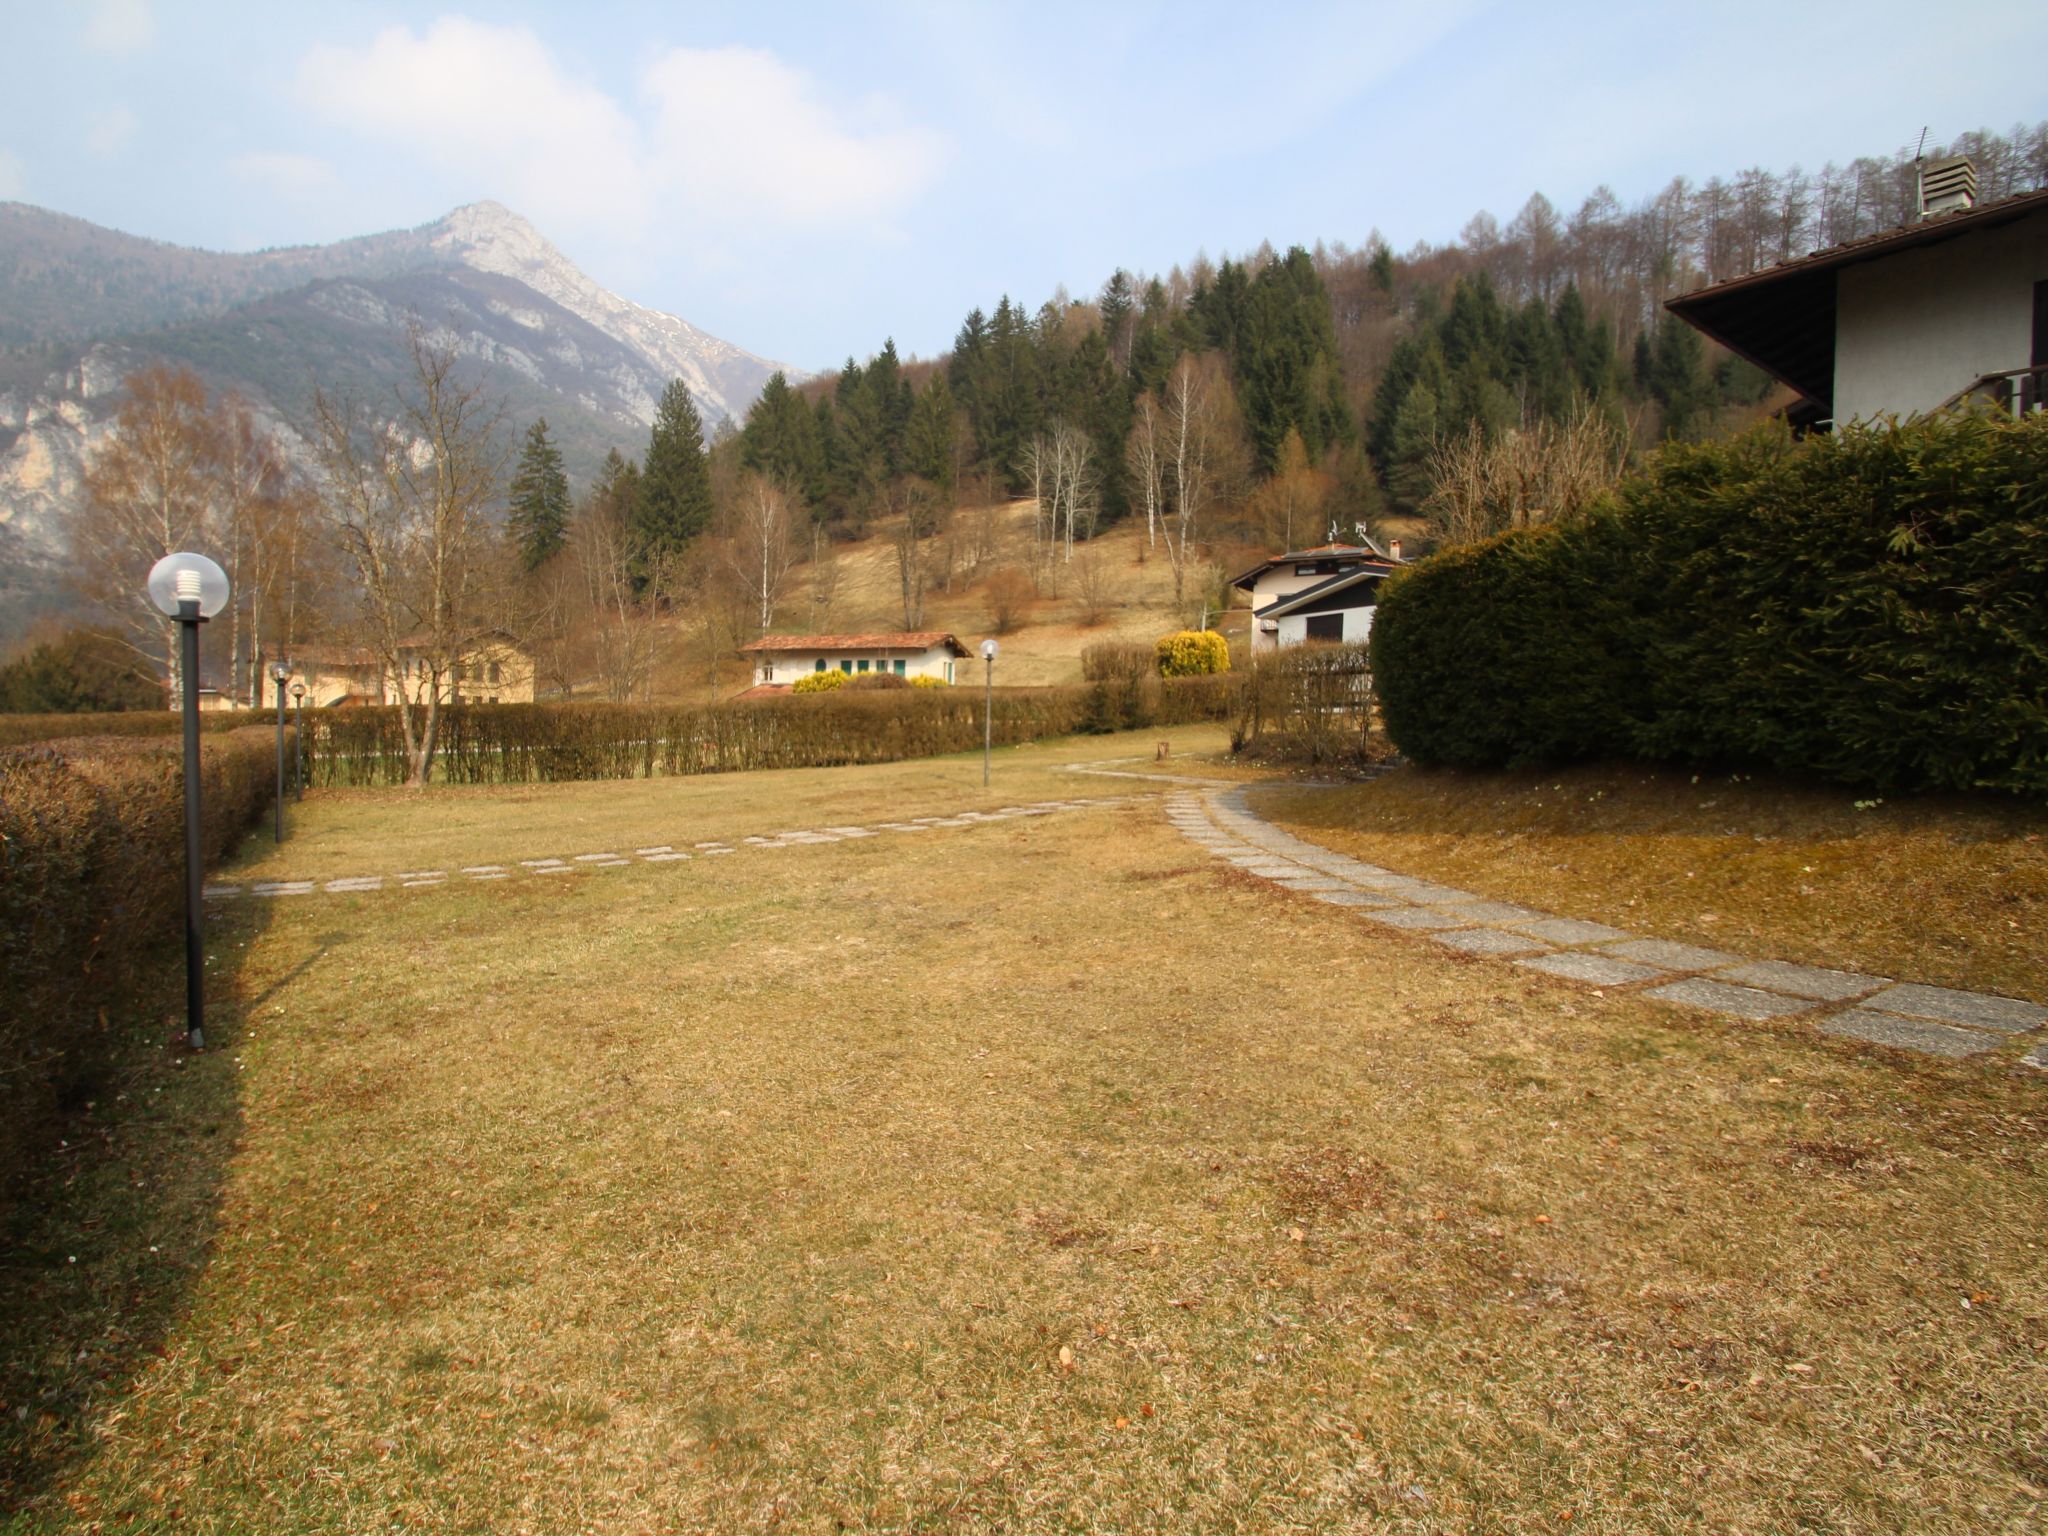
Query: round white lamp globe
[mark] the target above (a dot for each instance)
(181, 577)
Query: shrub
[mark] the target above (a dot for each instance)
(544, 743)
(819, 682)
(1118, 659)
(91, 888)
(1010, 591)
(926, 680)
(1867, 606)
(1192, 653)
(876, 682)
(1308, 703)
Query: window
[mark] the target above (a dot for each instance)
(1326, 626)
(1305, 570)
(820, 666)
(846, 666)
(900, 668)
(863, 666)
(495, 677)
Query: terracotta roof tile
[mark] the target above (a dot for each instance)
(902, 640)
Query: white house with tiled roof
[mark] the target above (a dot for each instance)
(779, 660)
(1325, 593)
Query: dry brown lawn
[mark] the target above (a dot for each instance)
(1951, 891)
(1042, 1176)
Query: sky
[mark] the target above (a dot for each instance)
(805, 180)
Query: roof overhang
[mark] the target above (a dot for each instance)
(1295, 601)
(1783, 318)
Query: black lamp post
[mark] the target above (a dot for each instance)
(298, 741)
(988, 709)
(191, 589)
(280, 672)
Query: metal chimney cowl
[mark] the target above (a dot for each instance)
(1947, 186)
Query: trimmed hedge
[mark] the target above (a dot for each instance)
(92, 840)
(543, 743)
(22, 730)
(1871, 606)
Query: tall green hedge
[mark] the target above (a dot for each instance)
(1871, 606)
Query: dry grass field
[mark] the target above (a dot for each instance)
(1034, 1176)
(1947, 890)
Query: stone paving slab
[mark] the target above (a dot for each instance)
(1673, 956)
(1421, 919)
(1568, 930)
(1423, 891)
(1490, 911)
(1312, 883)
(1802, 980)
(1910, 1034)
(1491, 941)
(1915, 1017)
(1952, 1007)
(1719, 997)
(1594, 970)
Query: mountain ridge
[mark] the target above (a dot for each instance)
(83, 306)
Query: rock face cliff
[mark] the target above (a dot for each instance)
(82, 307)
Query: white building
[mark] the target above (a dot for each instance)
(1952, 305)
(779, 660)
(1325, 593)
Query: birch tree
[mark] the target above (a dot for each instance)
(411, 499)
(760, 542)
(1197, 456)
(1142, 453)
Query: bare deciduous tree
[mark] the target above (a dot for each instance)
(1147, 464)
(623, 587)
(1199, 457)
(412, 501)
(1548, 471)
(149, 491)
(760, 542)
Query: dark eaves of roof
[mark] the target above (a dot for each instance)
(1296, 600)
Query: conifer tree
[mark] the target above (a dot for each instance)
(928, 452)
(674, 502)
(539, 513)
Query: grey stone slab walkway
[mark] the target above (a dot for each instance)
(655, 853)
(1936, 1021)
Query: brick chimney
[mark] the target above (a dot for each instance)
(1394, 548)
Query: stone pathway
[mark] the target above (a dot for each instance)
(1937, 1021)
(658, 853)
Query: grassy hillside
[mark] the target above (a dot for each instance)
(1044, 648)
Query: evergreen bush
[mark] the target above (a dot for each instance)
(1871, 606)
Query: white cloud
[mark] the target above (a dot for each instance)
(299, 177)
(721, 143)
(13, 177)
(120, 26)
(109, 132)
(741, 135)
